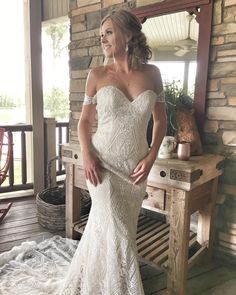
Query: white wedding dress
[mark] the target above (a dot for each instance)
(105, 262)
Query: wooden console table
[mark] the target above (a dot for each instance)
(189, 186)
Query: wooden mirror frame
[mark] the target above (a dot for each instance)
(203, 10)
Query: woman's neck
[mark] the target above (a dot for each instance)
(121, 65)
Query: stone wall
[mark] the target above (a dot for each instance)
(220, 126)
(85, 49)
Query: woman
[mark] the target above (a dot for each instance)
(117, 159)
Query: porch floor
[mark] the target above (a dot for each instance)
(210, 278)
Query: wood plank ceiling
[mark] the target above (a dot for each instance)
(176, 32)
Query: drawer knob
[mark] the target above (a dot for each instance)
(163, 173)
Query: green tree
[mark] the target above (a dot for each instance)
(57, 33)
(6, 101)
(57, 103)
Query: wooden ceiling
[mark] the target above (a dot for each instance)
(170, 33)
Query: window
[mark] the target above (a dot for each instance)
(12, 61)
(192, 77)
(174, 71)
(55, 40)
(171, 71)
(15, 98)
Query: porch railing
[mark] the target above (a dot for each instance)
(62, 135)
(18, 159)
(19, 177)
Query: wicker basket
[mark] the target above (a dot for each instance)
(50, 205)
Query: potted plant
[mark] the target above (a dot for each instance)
(175, 99)
(181, 122)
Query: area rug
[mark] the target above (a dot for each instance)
(36, 269)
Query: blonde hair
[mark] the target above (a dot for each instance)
(138, 50)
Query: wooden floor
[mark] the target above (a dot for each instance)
(21, 224)
(213, 278)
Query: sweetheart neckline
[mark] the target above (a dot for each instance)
(124, 95)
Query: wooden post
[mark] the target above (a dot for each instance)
(205, 229)
(35, 8)
(178, 242)
(50, 149)
(73, 202)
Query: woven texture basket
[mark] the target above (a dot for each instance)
(50, 205)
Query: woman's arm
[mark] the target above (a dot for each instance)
(159, 115)
(143, 168)
(159, 128)
(90, 160)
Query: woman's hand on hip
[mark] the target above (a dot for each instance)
(141, 171)
(92, 167)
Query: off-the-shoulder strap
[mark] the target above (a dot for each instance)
(160, 96)
(89, 100)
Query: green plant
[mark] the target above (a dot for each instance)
(7, 101)
(175, 100)
(57, 103)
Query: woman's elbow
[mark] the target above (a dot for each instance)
(83, 124)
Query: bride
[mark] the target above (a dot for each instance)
(116, 159)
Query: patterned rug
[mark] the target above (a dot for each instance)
(36, 269)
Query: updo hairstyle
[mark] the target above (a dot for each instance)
(138, 50)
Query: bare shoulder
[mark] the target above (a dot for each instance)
(151, 69)
(93, 79)
(95, 73)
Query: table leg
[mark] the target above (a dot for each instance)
(205, 229)
(178, 242)
(73, 203)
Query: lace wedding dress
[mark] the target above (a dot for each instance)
(105, 262)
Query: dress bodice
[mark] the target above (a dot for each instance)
(120, 139)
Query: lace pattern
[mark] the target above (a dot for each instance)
(106, 261)
(161, 96)
(36, 268)
(89, 100)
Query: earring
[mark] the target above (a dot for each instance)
(126, 47)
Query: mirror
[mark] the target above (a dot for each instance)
(202, 12)
(173, 39)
